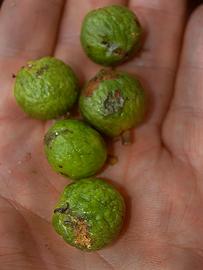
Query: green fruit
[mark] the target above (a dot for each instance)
(89, 214)
(74, 149)
(111, 34)
(113, 102)
(46, 88)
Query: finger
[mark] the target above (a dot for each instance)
(68, 45)
(183, 128)
(28, 28)
(163, 22)
(156, 65)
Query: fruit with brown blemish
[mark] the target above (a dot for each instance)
(113, 102)
(89, 214)
(111, 34)
(46, 88)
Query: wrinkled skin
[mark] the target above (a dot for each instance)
(161, 174)
(89, 214)
(110, 35)
(53, 75)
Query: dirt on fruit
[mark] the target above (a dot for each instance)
(50, 136)
(104, 74)
(82, 235)
(42, 70)
(113, 103)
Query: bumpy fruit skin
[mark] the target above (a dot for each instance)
(113, 102)
(89, 214)
(111, 35)
(46, 88)
(74, 149)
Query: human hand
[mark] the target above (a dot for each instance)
(160, 174)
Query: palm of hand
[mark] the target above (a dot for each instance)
(160, 173)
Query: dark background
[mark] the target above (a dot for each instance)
(192, 4)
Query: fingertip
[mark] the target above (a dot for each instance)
(193, 48)
(197, 14)
(183, 130)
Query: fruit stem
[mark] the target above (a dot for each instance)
(126, 137)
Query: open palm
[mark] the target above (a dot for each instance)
(160, 175)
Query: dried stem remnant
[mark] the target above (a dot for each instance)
(112, 160)
(62, 210)
(50, 136)
(126, 137)
(41, 71)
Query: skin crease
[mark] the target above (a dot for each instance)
(160, 175)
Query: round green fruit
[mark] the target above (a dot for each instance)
(113, 102)
(89, 214)
(46, 88)
(74, 149)
(110, 35)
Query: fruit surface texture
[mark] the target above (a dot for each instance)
(111, 35)
(74, 149)
(113, 102)
(46, 88)
(89, 214)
